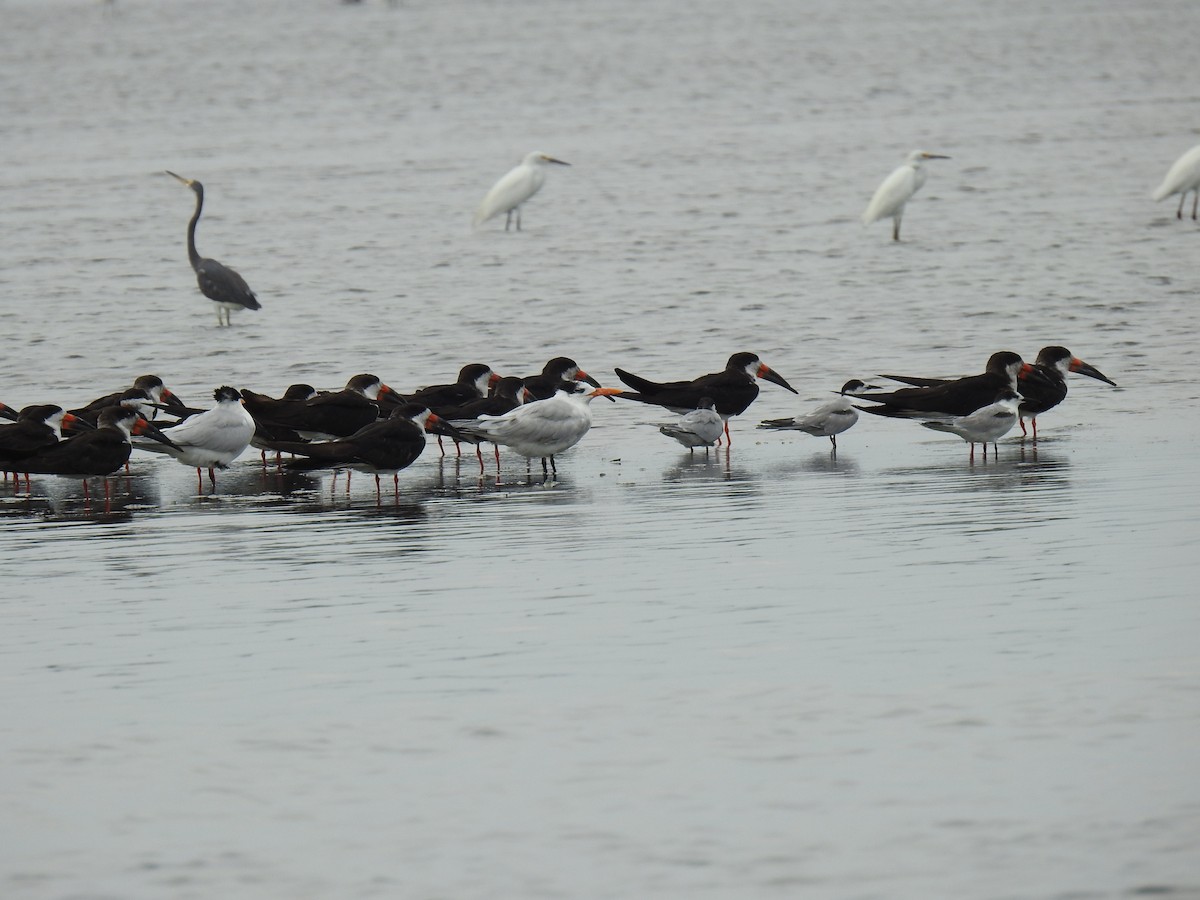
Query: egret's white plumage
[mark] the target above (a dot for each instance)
(542, 428)
(829, 419)
(1183, 176)
(897, 189)
(985, 425)
(518, 185)
(701, 427)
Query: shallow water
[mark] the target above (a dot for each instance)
(764, 671)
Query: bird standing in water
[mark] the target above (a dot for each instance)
(897, 189)
(219, 283)
(702, 427)
(518, 185)
(829, 419)
(1183, 176)
(989, 423)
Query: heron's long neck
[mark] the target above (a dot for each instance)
(193, 255)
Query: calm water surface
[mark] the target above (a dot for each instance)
(765, 672)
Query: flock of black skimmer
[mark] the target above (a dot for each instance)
(370, 427)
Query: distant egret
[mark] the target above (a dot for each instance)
(897, 189)
(1182, 177)
(218, 282)
(510, 192)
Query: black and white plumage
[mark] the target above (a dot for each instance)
(985, 425)
(211, 439)
(951, 397)
(148, 394)
(829, 419)
(328, 416)
(36, 428)
(383, 447)
(732, 389)
(473, 383)
(219, 283)
(701, 427)
(558, 374)
(1053, 364)
(509, 194)
(92, 453)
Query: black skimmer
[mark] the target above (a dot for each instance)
(1053, 363)
(897, 189)
(544, 428)
(829, 419)
(95, 453)
(262, 407)
(956, 397)
(211, 439)
(36, 428)
(1183, 176)
(384, 446)
(473, 383)
(559, 374)
(219, 283)
(144, 388)
(701, 427)
(514, 188)
(7, 412)
(333, 415)
(733, 389)
(989, 423)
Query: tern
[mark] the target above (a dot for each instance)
(989, 423)
(702, 427)
(829, 419)
(544, 428)
(211, 439)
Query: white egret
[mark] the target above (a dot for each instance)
(510, 192)
(897, 189)
(1182, 177)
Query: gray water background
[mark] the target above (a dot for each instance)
(762, 673)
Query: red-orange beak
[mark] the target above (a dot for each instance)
(766, 373)
(1078, 365)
